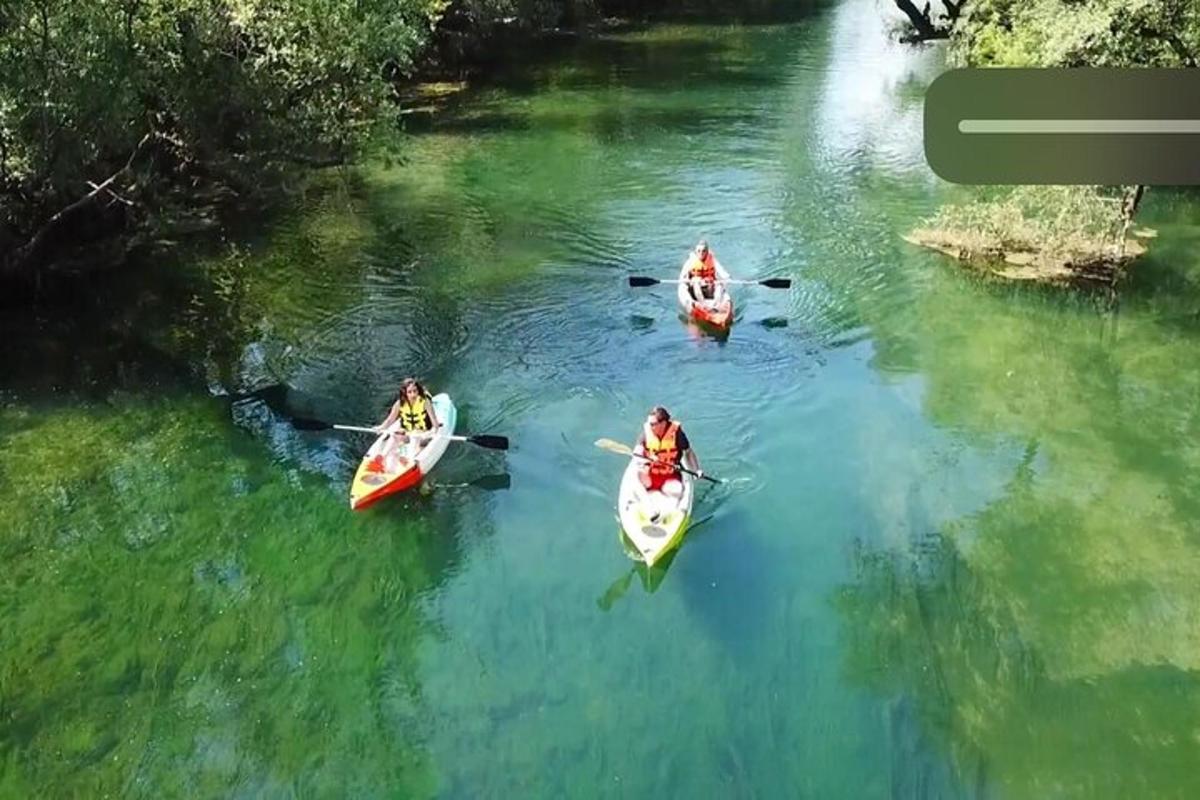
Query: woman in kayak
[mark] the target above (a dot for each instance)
(664, 442)
(705, 274)
(414, 411)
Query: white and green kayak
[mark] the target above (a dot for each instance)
(652, 521)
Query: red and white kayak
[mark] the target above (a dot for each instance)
(380, 475)
(718, 315)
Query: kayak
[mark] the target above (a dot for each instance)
(652, 537)
(719, 317)
(377, 476)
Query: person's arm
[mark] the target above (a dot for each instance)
(640, 447)
(690, 459)
(432, 413)
(393, 415)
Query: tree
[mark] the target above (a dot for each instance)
(101, 113)
(1055, 33)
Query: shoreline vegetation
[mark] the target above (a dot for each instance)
(1074, 236)
(1059, 235)
(123, 133)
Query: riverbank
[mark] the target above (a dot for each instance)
(89, 188)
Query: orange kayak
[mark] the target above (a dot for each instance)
(715, 315)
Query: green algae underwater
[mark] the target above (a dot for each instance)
(960, 558)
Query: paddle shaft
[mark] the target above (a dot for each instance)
(628, 451)
(489, 441)
(414, 434)
(770, 283)
(681, 468)
(622, 449)
(718, 280)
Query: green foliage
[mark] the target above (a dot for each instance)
(1059, 223)
(82, 82)
(1056, 33)
(1059, 33)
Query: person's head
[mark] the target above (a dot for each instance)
(702, 248)
(659, 418)
(411, 389)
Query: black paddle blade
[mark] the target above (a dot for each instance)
(777, 283)
(274, 396)
(639, 280)
(307, 424)
(490, 442)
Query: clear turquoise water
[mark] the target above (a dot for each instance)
(958, 556)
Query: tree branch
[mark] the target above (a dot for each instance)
(33, 252)
(1186, 57)
(1129, 205)
(923, 27)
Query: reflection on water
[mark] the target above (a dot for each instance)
(870, 100)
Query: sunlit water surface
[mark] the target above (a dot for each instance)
(957, 556)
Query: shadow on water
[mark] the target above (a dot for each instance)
(724, 585)
(96, 338)
(639, 61)
(650, 578)
(607, 124)
(641, 323)
(719, 575)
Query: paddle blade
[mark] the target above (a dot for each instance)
(306, 424)
(614, 447)
(274, 396)
(490, 442)
(777, 283)
(493, 483)
(641, 280)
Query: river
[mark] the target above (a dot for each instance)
(958, 554)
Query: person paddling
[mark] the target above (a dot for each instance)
(413, 409)
(705, 274)
(663, 441)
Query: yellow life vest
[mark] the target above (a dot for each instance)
(414, 417)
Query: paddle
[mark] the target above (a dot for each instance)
(488, 483)
(625, 450)
(482, 440)
(770, 283)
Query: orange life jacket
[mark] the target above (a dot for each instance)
(664, 451)
(704, 268)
